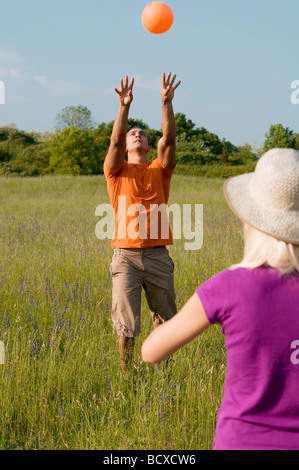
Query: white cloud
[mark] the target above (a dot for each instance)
(17, 75)
(9, 57)
(61, 87)
(153, 84)
(11, 66)
(58, 87)
(41, 79)
(12, 69)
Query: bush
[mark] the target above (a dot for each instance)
(21, 154)
(74, 152)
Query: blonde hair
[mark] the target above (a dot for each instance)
(263, 250)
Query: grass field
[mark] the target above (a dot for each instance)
(61, 383)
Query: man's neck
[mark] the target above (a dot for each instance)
(137, 158)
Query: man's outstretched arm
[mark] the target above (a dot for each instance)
(117, 148)
(166, 145)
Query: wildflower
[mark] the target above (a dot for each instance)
(61, 416)
(65, 309)
(108, 385)
(34, 347)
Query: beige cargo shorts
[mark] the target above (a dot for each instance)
(134, 269)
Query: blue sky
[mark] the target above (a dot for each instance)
(236, 60)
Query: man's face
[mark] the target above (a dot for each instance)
(137, 139)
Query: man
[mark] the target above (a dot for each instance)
(140, 259)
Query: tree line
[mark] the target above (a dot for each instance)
(78, 147)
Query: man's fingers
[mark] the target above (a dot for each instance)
(175, 87)
(169, 83)
(117, 91)
(173, 80)
(126, 86)
(165, 81)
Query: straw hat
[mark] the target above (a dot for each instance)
(268, 199)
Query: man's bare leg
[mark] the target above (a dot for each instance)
(126, 349)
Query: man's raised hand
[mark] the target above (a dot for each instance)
(125, 94)
(168, 87)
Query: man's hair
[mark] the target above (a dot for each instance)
(264, 250)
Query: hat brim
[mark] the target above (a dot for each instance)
(280, 224)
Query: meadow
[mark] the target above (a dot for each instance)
(61, 383)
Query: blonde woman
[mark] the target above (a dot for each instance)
(257, 304)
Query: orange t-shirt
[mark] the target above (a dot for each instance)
(139, 194)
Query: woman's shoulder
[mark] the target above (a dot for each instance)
(259, 275)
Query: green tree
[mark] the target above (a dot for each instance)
(22, 153)
(244, 155)
(279, 137)
(78, 116)
(183, 125)
(12, 134)
(212, 141)
(227, 149)
(191, 150)
(74, 152)
(101, 136)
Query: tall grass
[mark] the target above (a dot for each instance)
(61, 383)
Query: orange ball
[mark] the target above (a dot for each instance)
(157, 17)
